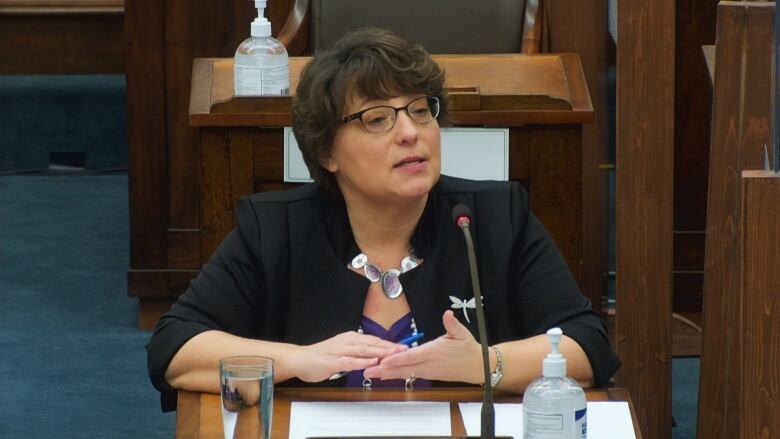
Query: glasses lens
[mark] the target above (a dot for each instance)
(377, 120)
(424, 110)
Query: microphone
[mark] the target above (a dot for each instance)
(461, 215)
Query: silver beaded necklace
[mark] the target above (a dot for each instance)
(391, 284)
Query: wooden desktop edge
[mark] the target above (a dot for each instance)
(198, 414)
(573, 107)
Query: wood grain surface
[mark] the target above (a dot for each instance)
(760, 268)
(644, 207)
(742, 112)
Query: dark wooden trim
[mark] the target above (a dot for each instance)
(645, 171)
(150, 310)
(147, 127)
(158, 284)
(60, 7)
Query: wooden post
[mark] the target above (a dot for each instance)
(645, 172)
(740, 127)
(758, 398)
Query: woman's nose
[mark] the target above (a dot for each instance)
(406, 128)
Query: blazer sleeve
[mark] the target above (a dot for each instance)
(547, 294)
(227, 296)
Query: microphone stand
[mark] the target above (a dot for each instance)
(488, 424)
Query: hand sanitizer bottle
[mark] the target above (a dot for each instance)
(554, 406)
(261, 64)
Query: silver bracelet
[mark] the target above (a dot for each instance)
(496, 376)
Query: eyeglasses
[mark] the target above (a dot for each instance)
(382, 118)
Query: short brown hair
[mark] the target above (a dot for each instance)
(371, 63)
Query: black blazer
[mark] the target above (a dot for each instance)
(282, 275)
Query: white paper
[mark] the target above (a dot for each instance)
(403, 418)
(606, 420)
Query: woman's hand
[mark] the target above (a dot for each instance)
(342, 353)
(455, 356)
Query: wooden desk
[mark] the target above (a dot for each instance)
(541, 99)
(199, 414)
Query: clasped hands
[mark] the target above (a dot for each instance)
(455, 356)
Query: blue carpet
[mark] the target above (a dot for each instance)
(685, 394)
(73, 363)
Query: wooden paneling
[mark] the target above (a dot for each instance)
(183, 248)
(163, 38)
(216, 217)
(742, 112)
(555, 161)
(59, 43)
(645, 142)
(269, 155)
(759, 393)
(583, 30)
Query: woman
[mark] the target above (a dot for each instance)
(329, 277)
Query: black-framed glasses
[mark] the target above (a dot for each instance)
(382, 118)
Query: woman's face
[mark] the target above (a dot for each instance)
(401, 164)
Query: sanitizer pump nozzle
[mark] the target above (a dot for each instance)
(261, 27)
(554, 365)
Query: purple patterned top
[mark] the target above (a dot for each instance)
(397, 332)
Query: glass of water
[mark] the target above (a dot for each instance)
(247, 396)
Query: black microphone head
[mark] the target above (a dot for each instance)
(460, 214)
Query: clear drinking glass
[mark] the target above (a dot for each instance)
(247, 396)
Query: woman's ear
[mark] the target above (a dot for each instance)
(327, 162)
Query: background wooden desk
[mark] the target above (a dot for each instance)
(542, 99)
(199, 414)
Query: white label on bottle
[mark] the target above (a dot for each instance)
(564, 425)
(262, 81)
(276, 80)
(544, 422)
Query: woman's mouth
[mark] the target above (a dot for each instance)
(410, 162)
